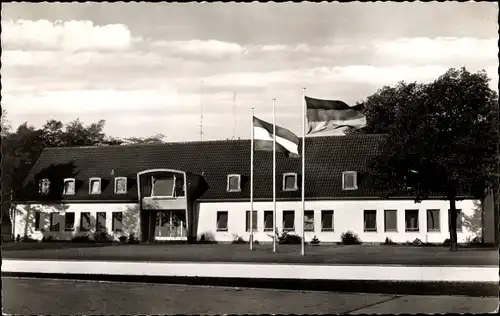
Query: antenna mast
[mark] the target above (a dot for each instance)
(201, 112)
(234, 114)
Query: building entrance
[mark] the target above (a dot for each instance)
(170, 225)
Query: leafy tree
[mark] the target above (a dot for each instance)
(157, 139)
(5, 124)
(446, 132)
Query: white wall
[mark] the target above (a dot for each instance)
(25, 219)
(348, 215)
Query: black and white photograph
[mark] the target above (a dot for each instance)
(250, 158)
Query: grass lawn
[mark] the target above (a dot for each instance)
(323, 254)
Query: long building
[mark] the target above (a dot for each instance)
(201, 190)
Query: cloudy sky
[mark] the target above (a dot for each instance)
(150, 68)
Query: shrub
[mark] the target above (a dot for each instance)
(446, 242)
(83, 238)
(47, 239)
(131, 239)
(315, 241)
(389, 241)
(123, 239)
(287, 238)
(102, 237)
(350, 238)
(18, 238)
(238, 240)
(27, 239)
(417, 242)
(474, 241)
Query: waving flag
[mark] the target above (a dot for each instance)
(325, 117)
(286, 141)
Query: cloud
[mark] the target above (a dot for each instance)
(64, 35)
(212, 48)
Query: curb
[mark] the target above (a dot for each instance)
(471, 289)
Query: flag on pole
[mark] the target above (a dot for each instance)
(325, 117)
(286, 141)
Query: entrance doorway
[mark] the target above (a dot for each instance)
(170, 225)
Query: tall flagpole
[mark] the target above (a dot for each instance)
(251, 184)
(274, 176)
(302, 246)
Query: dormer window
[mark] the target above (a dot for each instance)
(120, 185)
(163, 186)
(290, 181)
(95, 185)
(349, 180)
(69, 186)
(44, 186)
(233, 183)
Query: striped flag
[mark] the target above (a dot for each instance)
(286, 141)
(326, 117)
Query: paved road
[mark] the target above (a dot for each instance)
(332, 255)
(57, 297)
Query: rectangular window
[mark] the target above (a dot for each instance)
(222, 217)
(254, 221)
(433, 224)
(327, 220)
(163, 186)
(120, 185)
(69, 186)
(55, 225)
(391, 220)
(289, 182)
(411, 220)
(459, 219)
(233, 183)
(370, 220)
(288, 220)
(349, 180)
(85, 222)
(37, 221)
(101, 222)
(268, 221)
(309, 221)
(69, 222)
(117, 225)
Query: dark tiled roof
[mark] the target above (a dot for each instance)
(326, 159)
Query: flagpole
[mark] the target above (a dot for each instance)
(274, 176)
(251, 183)
(302, 248)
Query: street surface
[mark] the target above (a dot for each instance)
(57, 297)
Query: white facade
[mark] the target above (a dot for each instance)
(348, 216)
(25, 214)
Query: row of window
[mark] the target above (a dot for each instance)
(349, 181)
(327, 216)
(94, 186)
(68, 219)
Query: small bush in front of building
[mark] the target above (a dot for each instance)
(48, 239)
(446, 242)
(388, 241)
(314, 241)
(131, 239)
(238, 240)
(350, 238)
(27, 239)
(287, 238)
(476, 240)
(102, 237)
(123, 239)
(82, 239)
(18, 238)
